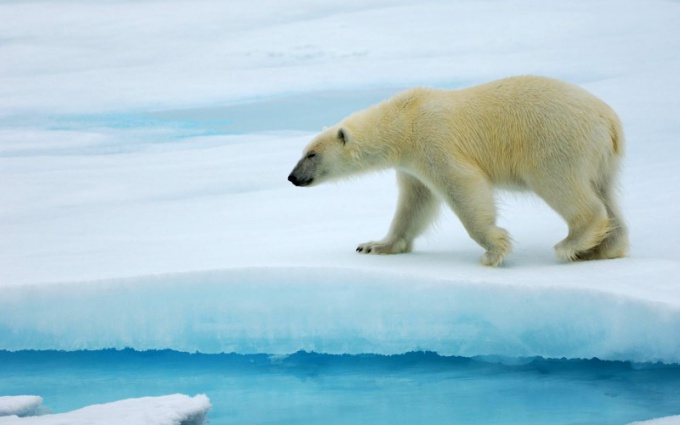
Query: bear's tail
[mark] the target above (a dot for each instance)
(616, 133)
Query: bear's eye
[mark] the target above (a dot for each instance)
(311, 155)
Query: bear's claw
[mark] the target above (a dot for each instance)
(391, 247)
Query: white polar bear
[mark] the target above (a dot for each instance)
(525, 133)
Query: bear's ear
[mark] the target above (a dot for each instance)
(342, 136)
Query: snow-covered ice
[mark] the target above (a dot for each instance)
(335, 310)
(121, 163)
(20, 405)
(176, 409)
(670, 420)
(144, 149)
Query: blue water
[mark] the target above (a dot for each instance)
(309, 388)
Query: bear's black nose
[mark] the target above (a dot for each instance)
(298, 182)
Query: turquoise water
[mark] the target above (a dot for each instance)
(309, 388)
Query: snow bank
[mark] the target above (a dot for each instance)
(23, 405)
(283, 310)
(174, 409)
(671, 420)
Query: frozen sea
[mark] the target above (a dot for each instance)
(151, 244)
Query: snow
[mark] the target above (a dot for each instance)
(23, 405)
(282, 310)
(146, 188)
(144, 150)
(174, 409)
(671, 420)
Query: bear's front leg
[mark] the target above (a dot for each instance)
(416, 209)
(470, 195)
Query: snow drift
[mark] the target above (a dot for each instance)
(26, 405)
(174, 409)
(283, 310)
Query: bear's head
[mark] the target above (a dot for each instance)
(360, 143)
(325, 158)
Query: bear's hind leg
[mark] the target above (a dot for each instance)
(615, 243)
(585, 214)
(416, 209)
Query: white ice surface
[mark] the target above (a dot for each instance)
(128, 218)
(20, 405)
(671, 420)
(176, 409)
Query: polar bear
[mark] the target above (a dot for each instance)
(525, 133)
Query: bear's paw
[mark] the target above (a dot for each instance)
(385, 247)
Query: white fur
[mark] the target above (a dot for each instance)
(526, 133)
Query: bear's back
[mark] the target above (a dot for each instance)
(509, 126)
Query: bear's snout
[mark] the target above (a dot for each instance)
(297, 182)
(304, 172)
